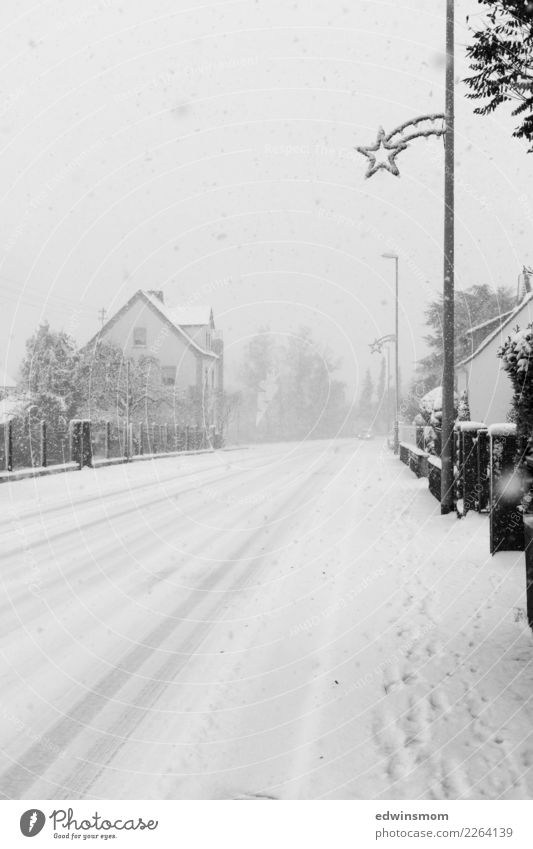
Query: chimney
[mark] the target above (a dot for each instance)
(157, 293)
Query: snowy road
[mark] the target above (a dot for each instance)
(291, 621)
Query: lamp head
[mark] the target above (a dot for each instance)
(389, 255)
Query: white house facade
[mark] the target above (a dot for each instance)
(481, 375)
(183, 339)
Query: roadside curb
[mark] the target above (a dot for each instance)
(38, 472)
(43, 471)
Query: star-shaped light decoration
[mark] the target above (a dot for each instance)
(398, 139)
(392, 150)
(376, 347)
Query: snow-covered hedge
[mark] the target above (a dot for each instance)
(516, 355)
(516, 352)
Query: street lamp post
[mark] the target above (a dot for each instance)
(390, 255)
(448, 412)
(376, 347)
(382, 156)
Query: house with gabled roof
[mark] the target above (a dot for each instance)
(184, 340)
(480, 375)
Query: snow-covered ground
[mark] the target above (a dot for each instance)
(290, 621)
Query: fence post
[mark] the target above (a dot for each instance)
(8, 437)
(130, 440)
(141, 437)
(506, 523)
(482, 469)
(528, 545)
(43, 459)
(469, 464)
(107, 439)
(80, 447)
(186, 437)
(74, 441)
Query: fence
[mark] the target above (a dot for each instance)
(412, 448)
(31, 444)
(27, 443)
(485, 475)
(112, 440)
(490, 475)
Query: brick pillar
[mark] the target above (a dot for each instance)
(482, 469)
(469, 464)
(506, 525)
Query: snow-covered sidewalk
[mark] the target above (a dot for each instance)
(289, 621)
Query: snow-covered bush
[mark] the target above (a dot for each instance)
(431, 411)
(516, 355)
(463, 410)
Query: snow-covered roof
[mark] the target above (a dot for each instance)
(428, 400)
(432, 400)
(169, 314)
(501, 317)
(191, 316)
(510, 317)
(172, 315)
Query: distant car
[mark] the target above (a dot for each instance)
(365, 434)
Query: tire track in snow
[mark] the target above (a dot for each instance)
(102, 753)
(71, 543)
(122, 512)
(18, 779)
(84, 500)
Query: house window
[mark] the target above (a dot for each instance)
(212, 378)
(139, 337)
(168, 375)
(208, 341)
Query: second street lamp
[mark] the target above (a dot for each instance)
(376, 347)
(390, 255)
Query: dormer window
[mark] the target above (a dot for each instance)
(139, 337)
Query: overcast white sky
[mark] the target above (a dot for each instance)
(207, 149)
